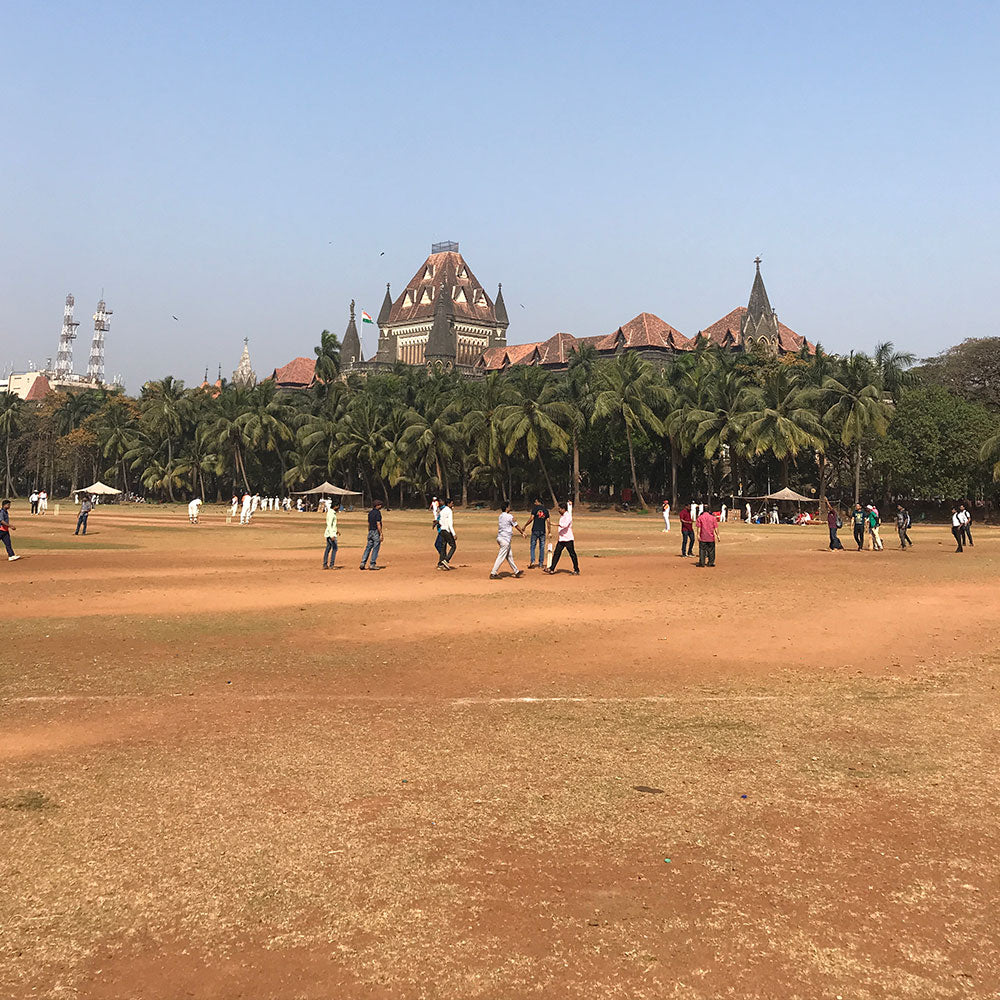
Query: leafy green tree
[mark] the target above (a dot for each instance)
(11, 417)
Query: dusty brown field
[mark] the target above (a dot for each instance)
(225, 773)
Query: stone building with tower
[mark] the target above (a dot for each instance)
(443, 320)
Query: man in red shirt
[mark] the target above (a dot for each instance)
(687, 531)
(708, 532)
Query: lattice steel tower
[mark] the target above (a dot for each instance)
(102, 323)
(64, 359)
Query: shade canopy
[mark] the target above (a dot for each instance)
(787, 494)
(100, 489)
(329, 489)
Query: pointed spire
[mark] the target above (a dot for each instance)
(759, 306)
(500, 308)
(383, 315)
(441, 340)
(350, 347)
(244, 376)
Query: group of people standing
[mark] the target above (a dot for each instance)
(39, 500)
(961, 526)
(696, 519)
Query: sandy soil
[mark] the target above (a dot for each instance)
(227, 773)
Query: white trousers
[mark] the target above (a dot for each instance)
(504, 556)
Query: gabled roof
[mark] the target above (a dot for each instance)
(726, 333)
(298, 373)
(39, 390)
(557, 349)
(646, 330)
(496, 358)
(446, 270)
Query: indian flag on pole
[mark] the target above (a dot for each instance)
(365, 318)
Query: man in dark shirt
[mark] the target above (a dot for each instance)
(539, 532)
(5, 529)
(374, 542)
(860, 519)
(687, 531)
(903, 526)
(831, 522)
(86, 506)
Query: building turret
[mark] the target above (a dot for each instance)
(350, 346)
(386, 310)
(441, 340)
(244, 376)
(760, 322)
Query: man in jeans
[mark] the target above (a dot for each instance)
(687, 531)
(330, 552)
(539, 533)
(446, 535)
(86, 506)
(708, 531)
(860, 521)
(374, 536)
(966, 516)
(956, 528)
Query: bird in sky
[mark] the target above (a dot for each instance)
(176, 318)
(382, 254)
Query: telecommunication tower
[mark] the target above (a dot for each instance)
(64, 359)
(102, 323)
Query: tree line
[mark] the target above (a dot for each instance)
(709, 424)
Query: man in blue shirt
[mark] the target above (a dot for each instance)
(86, 506)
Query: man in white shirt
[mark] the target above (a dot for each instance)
(235, 506)
(666, 514)
(966, 516)
(956, 527)
(446, 534)
(193, 510)
(34, 501)
(506, 526)
(566, 541)
(43, 502)
(435, 510)
(245, 510)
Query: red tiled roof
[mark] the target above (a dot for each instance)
(646, 330)
(557, 349)
(441, 270)
(725, 332)
(299, 372)
(39, 389)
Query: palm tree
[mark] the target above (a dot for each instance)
(578, 390)
(628, 392)
(11, 413)
(163, 407)
(429, 442)
(327, 361)
(198, 459)
(536, 417)
(360, 439)
(268, 420)
(990, 452)
(227, 430)
(857, 407)
(116, 426)
(891, 367)
(780, 418)
(482, 428)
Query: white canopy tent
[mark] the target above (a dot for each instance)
(786, 494)
(327, 489)
(100, 489)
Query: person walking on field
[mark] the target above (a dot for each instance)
(966, 516)
(86, 506)
(374, 542)
(873, 524)
(5, 529)
(666, 515)
(245, 509)
(956, 528)
(860, 521)
(903, 524)
(506, 526)
(833, 523)
(193, 510)
(539, 533)
(446, 522)
(43, 502)
(330, 552)
(687, 532)
(234, 506)
(708, 533)
(566, 540)
(435, 509)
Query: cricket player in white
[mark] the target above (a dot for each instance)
(505, 535)
(235, 506)
(666, 514)
(193, 510)
(245, 511)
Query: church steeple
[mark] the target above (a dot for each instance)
(384, 312)
(441, 340)
(244, 376)
(760, 322)
(350, 346)
(500, 308)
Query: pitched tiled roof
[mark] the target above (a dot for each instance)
(39, 389)
(557, 349)
(446, 270)
(299, 372)
(725, 332)
(646, 330)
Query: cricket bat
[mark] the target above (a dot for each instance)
(548, 557)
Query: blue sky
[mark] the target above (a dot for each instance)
(243, 166)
